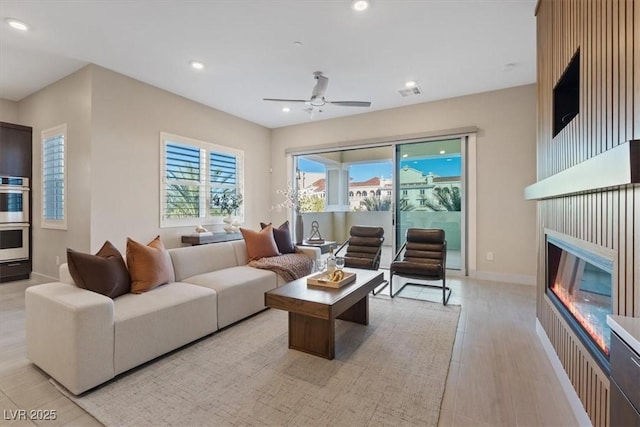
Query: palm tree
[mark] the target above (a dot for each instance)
(183, 200)
(406, 206)
(446, 199)
(373, 203)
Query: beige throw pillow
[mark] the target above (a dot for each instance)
(149, 266)
(261, 243)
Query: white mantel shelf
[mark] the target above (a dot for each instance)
(627, 328)
(617, 166)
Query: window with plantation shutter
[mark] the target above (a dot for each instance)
(199, 180)
(223, 180)
(54, 177)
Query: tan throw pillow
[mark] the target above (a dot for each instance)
(261, 243)
(104, 272)
(149, 266)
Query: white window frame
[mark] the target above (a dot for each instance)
(205, 185)
(60, 130)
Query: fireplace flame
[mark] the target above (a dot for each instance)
(570, 304)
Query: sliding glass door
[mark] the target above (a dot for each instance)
(429, 179)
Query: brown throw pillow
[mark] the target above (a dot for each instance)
(104, 272)
(260, 244)
(282, 236)
(149, 266)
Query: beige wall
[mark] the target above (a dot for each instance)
(128, 116)
(66, 101)
(506, 159)
(8, 111)
(114, 126)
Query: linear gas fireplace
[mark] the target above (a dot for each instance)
(580, 283)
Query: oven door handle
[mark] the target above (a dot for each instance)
(16, 225)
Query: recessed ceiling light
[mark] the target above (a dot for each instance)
(360, 5)
(410, 83)
(297, 43)
(442, 151)
(286, 109)
(508, 67)
(404, 156)
(18, 25)
(197, 65)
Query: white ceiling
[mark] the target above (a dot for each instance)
(450, 47)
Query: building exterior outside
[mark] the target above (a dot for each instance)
(418, 191)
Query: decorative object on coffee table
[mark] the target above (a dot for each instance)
(335, 279)
(315, 236)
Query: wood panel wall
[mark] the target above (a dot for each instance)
(607, 32)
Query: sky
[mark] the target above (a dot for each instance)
(440, 166)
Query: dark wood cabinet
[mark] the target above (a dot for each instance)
(15, 270)
(15, 150)
(625, 384)
(15, 161)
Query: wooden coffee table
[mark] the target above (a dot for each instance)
(313, 309)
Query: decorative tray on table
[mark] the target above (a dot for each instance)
(324, 279)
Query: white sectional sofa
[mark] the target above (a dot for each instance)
(82, 338)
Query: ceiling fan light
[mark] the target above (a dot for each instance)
(17, 25)
(360, 5)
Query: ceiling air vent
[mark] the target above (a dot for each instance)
(410, 91)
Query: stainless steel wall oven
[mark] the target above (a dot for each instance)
(14, 199)
(14, 218)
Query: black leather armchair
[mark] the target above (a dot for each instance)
(363, 247)
(425, 258)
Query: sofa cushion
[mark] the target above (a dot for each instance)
(260, 243)
(150, 324)
(149, 265)
(240, 291)
(69, 334)
(193, 260)
(282, 236)
(104, 272)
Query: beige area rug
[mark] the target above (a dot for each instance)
(389, 373)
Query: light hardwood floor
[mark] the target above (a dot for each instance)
(499, 374)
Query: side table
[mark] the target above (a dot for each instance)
(324, 247)
(206, 238)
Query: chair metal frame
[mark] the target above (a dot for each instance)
(446, 291)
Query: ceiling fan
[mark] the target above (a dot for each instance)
(317, 99)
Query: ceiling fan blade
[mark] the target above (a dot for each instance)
(285, 100)
(351, 103)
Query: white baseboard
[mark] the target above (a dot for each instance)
(503, 277)
(53, 279)
(565, 382)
